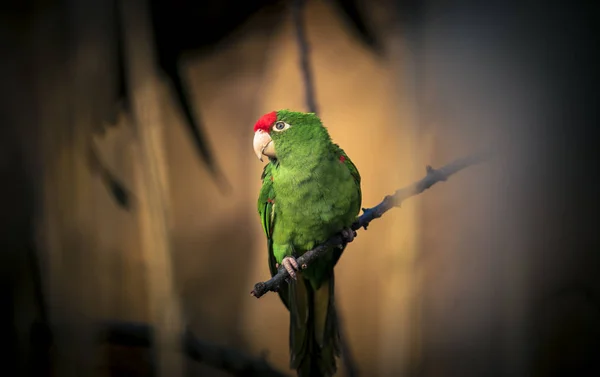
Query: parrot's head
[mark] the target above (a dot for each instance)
(288, 134)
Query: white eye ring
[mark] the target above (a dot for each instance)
(280, 126)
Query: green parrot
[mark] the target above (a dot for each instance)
(310, 191)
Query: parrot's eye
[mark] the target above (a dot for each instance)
(280, 126)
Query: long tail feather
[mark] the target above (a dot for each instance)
(314, 334)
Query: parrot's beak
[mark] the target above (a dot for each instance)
(263, 145)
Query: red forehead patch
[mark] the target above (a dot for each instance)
(265, 122)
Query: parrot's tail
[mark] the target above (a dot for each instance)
(314, 332)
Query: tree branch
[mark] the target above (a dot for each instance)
(297, 13)
(432, 177)
(298, 9)
(235, 362)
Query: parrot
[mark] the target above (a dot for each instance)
(310, 192)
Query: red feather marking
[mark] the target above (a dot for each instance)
(265, 122)
(269, 200)
(342, 158)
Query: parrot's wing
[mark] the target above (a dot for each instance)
(266, 211)
(337, 253)
(353, 170)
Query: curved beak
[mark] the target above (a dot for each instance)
(263, 145)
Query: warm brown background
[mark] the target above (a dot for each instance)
(444, 286)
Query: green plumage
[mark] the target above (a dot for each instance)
(311, 190)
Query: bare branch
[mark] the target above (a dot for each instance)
(298, 9)
(304, 50)
(432, 177)
(235, 362)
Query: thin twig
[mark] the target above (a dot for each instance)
(309, 89)
(432, 177)
(311, 103)
(230, 360)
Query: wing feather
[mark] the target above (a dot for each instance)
(266, 211)
(356, 175)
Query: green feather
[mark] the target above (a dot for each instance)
(310, 191)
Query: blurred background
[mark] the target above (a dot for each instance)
(129, 184)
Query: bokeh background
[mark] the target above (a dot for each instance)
(492, 273)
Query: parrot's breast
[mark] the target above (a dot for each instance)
(313, 203)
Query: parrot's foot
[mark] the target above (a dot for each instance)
(290, 265)
(348, 235)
